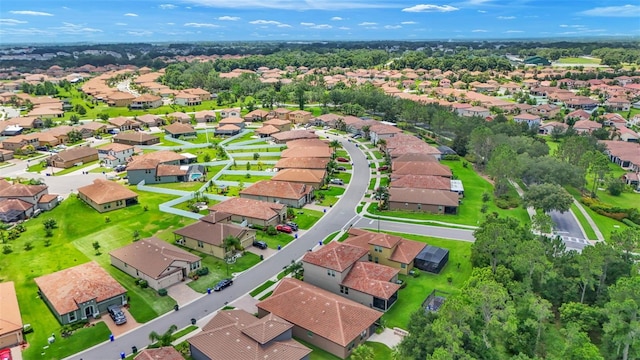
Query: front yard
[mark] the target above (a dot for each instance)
(329, 196)
(219, 269)
(306, 218)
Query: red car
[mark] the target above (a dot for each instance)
(341, 159)
(383, 168)
(284, 229)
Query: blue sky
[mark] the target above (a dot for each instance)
(58, 21)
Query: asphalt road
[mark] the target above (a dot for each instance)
(426, 230)
(566, 225)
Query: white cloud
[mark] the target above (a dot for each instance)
(482, 11)
(329, 5)
(120, 24)
(201, 25)
(336, 18)
(430, 8)
(307, 24)
(171, 24)
(506, 17)
(408, 23)
(30, 12)
(265, 22)
(344, 28)
(167, 6)
(11, 22)
(367, 23)
(70, 28)
(513, 31)
(228, 18)
(131, 14)
(284, 26)
(479, 31)
(322, 26)
(572, 26)
(140, 33)
(614, 11)
(392, 27)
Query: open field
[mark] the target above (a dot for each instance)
(578, 60)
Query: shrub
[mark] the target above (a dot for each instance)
(143, 283)
(162, 292)
(6, 249)
(271, 231)
(202, 271)
(630, 223)
(616, 187)
(451, 157)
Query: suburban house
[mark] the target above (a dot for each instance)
(80, 292)
(618, 104)
(474, 111)
(420, 168)
(323, 151)
(292, 194)
(378, 132)
(529, 119)
(232, 120)
(162, 353)
(186, 99)
(312, 178)
(284, 136)
(19, 201)
(586, 126)
(256, 115)
(625, 154)
(123, 123)
(385, 249)
(114, 154)
(266, 130)
(238, 335)
(302, 163)
(425, 200)
(21, 143)
(10, 318)
(150, 120)
(6, 155)
(92, 128)
(252, 211)
(225, 113)
(119, 99)
(208, 234)
(299, 116)
(281, 125)
(146, 101)
(201, 93)
(178, 116)
(425, 182)
(156, 261)
(548, 127)
(104, 195)
(136, 138)
(73, 156)
(281, 113)
(345, 270)
(324, 319)
(158, 167)
(227, 130)
(577, 115)
(205, 116)
(180, 130)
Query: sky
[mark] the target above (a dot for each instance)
(60, 21)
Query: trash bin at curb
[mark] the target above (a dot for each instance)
(193, 321)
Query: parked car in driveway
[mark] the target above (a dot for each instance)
(117, 314)
(224, 283)
(336, 182)
(284, 229)
(341, 168)
(260, 244)
(341, 159)
(292, 225)
(383, 168)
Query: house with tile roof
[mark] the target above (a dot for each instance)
(345, 270)
(136, 138)
(267, 130)
(284, 136)
(158, 167)
(302, 163)
(180, 130)
(238, 335)
(322, 318)
(105, 195)
(292, 194)
(208, 234)
(300, 116)
(156, 261)
(281, 125)
(150, 120)
(424, 200)
(124, 123)
(72, 156)
(312, 178)
(162, 353)
(80, 292)
(251, 211)
(146, 101)
(114, 154)
(323, 151)
(432, 168)
(385, 249)
(10, 318)
(256, 115)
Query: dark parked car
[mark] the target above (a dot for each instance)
(117, 314)
(341, 168)
(336, 181)
(260, 244)
(223, 284)
(292, 225)
(383, 168)
(284, 229)
(341, 159)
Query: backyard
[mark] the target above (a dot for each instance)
(78, 227)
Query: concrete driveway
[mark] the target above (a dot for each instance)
(182, 293)
(117, 330)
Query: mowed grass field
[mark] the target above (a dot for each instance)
(579, 60)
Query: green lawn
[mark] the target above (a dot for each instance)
(257, 150)
(262, 287)
(250, 158)
(100, 170)
(205, 138)
(184, 185)
(185, 206)
(381, 351)
(589, 233)
(219, 270)
(578, 60)
(247, 136)
(344, 176)
(244, 178)
(165, 142)
(377, 154)
(605, 224)
(81, 339)
(74, 168)
(273, 241)
(306, 218)
(331, 195)
(37, 166)
(342, 153)
(78, 227)
(411, 297)
(372, 183)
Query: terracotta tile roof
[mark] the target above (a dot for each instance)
(76, 153)
(231, 120)
(211, 233)
(4, 184)
(66, 288)
(115, 147)
(92, 125)
(257, 112)
(10, 318)
(163, 353)
(307, 143)
(7, 205)
(153, 257)
(47, 198)
(228, 127)
(237, 335)
(423, 196)
(323, 313)
(421, 168)
(178, 128)
(267, 130)
(373, 279)
(155, 158)
(586, 125)
(21, 190)
(121, 120)
(147, 98)
(135, 136)
(302, 163)
(300, 175)
(335, 256)
(308, 151)
(249, 208)
(406, 251)
(295, 134)
(279, 189)
(105, 191)
(276, 122)
(171, 170)
(421, 182)
(414, 148)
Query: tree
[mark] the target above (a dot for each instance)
(50, 224)
(74, 119)
(578, 346)
(165, 338)
(136, 235)
(74, 136)
(542, 223)
(503, 165)
(296, 269)
(548, 197)
(596, 163)
(589, 268)
(622, 329)
(366, 130)
(627, 241)
(481, 142)
(256, 156)
(334, 144)
(230, 243)
(382, 195)
(96, 247)
(363, 352)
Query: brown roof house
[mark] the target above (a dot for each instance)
(146, 101)
(421, 168)
(300, 116)
(19, 201)
(123, 123)
(158, 262)
(114, 154)
(284, 136)
(252, 211)
(281, 125)
(322, 318)
(390, 250)
(105, 195)
(312, 178)
(238, 335)
(345, 270)
(136, 138)
(267, 130)
(424, 200)
(208, 234)
(158, 167)
(73, 156)
(323, 151)
(150, 120)
(302, 163)
(80, 292)
(163, 353)
(292, 194)
(180, 130)
(10, 318)
(256, 115)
